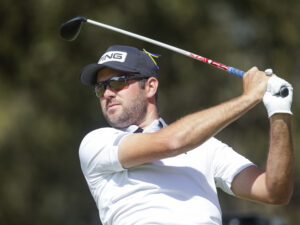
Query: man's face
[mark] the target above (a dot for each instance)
(125, 107)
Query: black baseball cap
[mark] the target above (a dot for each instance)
(123, 58)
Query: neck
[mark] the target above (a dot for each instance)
(150, 117)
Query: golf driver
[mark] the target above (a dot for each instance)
(71, 29)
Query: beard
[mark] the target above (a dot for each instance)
(131, 113)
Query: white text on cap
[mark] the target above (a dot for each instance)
(117, 56)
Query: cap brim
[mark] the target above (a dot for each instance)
(88, 75)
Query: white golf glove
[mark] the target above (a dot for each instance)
(273, 102)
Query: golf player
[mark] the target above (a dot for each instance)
(141, 171)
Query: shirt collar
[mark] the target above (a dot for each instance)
(156, 125)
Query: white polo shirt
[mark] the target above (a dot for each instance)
(173, 191)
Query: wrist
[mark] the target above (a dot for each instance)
(251, 98)
(281, 116)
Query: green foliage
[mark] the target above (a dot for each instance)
(45, 111)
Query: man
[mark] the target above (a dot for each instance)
(141, 171)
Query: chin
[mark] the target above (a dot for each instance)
(114, 121)
(118, 125)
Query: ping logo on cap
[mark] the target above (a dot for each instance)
(113, 56)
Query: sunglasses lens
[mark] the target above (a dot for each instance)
(118, 84)
(99, 90)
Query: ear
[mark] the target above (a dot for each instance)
(151, 87)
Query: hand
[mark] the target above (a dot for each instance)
(273, 102)
(255, 83)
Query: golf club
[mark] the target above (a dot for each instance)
(71, 29)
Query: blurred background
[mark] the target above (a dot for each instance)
(45, 111)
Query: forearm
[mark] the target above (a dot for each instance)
(279, 170)
(182, 135)
(194, 129)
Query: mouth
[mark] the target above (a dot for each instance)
(112, 105)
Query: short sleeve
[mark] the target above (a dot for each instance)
(98, 151)
(227, 164)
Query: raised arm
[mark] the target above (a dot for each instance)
(192, 130)
(275, 184)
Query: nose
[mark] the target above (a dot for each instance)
(109, 92)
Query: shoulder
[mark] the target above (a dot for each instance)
(98, 149)
(209, 151)
(100, 138)
(220, 151)
(213, 144)
(217, 152)
(102, 133)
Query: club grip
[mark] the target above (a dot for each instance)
(235, 71)
(284, 91)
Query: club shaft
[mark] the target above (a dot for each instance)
(229, 69)
(283, 91)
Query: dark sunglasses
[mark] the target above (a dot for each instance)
(117, 83)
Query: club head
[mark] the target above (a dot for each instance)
(71, 29)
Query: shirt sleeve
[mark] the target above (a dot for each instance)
(227, 164)
(98, 151)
